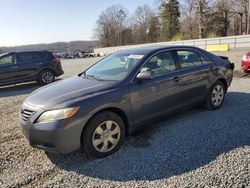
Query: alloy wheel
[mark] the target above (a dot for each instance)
(47, 77)
(217, 95)
(106, 136)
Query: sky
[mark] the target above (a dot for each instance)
(45, 21)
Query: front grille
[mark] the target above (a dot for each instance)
(26, 114)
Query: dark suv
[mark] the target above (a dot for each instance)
(17, 67)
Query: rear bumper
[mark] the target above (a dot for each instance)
(58, 70)
(229, 81)
(59, 73)
(245, 65)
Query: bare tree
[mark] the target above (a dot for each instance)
(141, 23)
(241, 7)
(201, 12)
(110, 26)
(188, 22)
(198, 19)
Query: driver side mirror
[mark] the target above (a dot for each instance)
(144, 76)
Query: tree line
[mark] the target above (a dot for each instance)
(54, 47)
(172, 20)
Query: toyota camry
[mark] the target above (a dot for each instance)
(121, 93)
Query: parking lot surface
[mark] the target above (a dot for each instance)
(193, 148)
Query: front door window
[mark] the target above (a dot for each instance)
(6, 60)
(160, 64)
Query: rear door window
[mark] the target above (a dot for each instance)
(39, 55)
(28, 57)
(188, 58)
(24, 58)
(205, 60)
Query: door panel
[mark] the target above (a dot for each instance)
(8, 69)
(155, 97)
(194, 76)
(194, 83)
(28, 65)
(151, 98)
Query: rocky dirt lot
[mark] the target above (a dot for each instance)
(194, 148)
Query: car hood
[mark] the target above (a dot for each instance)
(61, 93)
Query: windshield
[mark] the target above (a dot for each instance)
(114, 67)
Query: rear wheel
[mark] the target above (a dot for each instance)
(103, 135)
(46, 77)
(216, 96)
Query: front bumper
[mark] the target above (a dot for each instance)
(51, 138)
(62, 136)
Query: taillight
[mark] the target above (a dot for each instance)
(246, 57)
(56, 61)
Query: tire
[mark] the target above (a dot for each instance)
(216, 96)
(46, 77)
(96, 142)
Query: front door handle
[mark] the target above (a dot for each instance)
(14, 67)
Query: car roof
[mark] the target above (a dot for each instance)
(31, 51)
(16, 52)
(153, 49)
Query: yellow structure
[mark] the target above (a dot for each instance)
(217, 48)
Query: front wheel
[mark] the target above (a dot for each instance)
(103, 135)
(216, 96)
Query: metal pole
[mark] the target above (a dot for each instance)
(248, 16)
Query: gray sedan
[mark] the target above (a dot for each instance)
(120, 94)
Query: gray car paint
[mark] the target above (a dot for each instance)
(138, 101)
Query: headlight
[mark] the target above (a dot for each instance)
(53, 115)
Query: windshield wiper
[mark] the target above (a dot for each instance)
(95, 77)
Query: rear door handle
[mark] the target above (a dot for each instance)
(14, 67)
(176, 79)
(213, 68)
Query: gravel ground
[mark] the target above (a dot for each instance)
(196, 148)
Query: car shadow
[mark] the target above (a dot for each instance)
(176, 145)
(241, 74)
(19, 89)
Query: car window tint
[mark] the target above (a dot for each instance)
(6, 60)
(38, 55)
(160, 64)
(188, 58)
(24, 57)
(205, 60)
